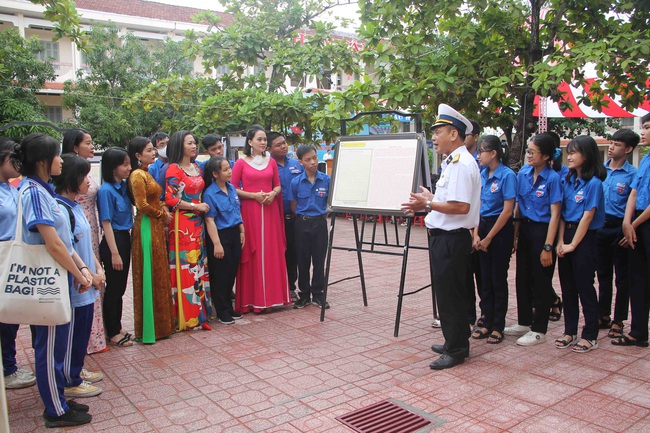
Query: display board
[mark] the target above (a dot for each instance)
(374, 174)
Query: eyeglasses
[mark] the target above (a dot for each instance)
(531, 152)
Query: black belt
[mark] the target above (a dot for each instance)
(571, 225)
(490, 219)
(289, 216)
(613, 223)
(438, 232)
(528, 221)
(307, 217)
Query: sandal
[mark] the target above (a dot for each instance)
(495, 337)
(583, 348)
(478, 333)
(480, 322)
(562, 343)
(554, 316)
(616, 330)
(122, 342)
(625, 340)
(604, 322)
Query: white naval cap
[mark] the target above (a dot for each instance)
(449, 116)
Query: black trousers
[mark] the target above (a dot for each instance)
(640, 283)
(577, 271)
(223, 271)
(534, 282)
(494, 274)
(115, 281)
(290, 253)
(450, 255)
(311, 249)
(612, 257)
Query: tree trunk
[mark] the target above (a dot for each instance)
(526, 126)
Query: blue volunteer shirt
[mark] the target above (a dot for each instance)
(581, 196)
(563, 173)
(642, 184)
(535, 198)
(291, 170)
(84, 248)
(8, 211)
(224, 208)
(496, 189)
(311, 199)
(617, 188)
(154, 169)
(201, 164)
(113, 205)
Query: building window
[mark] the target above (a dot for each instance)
(326, 81)
(50, 52)
(627, 122)
(54, 114)
(258, 68)
(223, 70)
(297, 80)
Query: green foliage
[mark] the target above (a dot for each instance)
(261, 50)
(490, 58)
(121, 66)
(67, 23)
(21, 74)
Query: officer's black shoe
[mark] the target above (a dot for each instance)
(439, 348)
(445, 361)
(320, 303)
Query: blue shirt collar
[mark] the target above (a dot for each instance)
(319, 175)
(498, 172)
(45, 185)
(67, 201)
(626, 166)
(118, 185)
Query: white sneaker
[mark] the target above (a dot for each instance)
(531, 338)
(24, 372)
(18, 379)
(85, 389)
(436, 323)
(90, 376)
(516, 330)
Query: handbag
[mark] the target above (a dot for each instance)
(34, 288)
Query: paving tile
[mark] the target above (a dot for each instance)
(285, 371)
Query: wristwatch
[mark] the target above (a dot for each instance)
(428, 206)
(192, 204)
(548, 247)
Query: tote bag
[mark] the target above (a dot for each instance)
(33, 286)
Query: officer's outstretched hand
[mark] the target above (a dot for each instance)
(417, 201)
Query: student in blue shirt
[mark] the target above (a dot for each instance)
(225, 235)
(116, 217)
(159, 140)
(636, 228)
(45, 223)
(583, 214)
(214, 146)
(288, 170)
(493, 237)
(537, 216)
(471, 141)
(308, 195)
(14, 376)
(74, 180)
(611, 255)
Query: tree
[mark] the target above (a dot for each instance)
(267, 42)
(67, 23)
(21, 75)
(490, 58)
(120, 66)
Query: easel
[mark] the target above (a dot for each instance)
(359, 242)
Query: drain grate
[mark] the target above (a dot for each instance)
(383, 417)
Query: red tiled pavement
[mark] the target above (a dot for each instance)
(286, 372)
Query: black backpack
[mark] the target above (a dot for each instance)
(72, 219)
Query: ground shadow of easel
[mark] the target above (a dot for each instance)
(360, 243)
